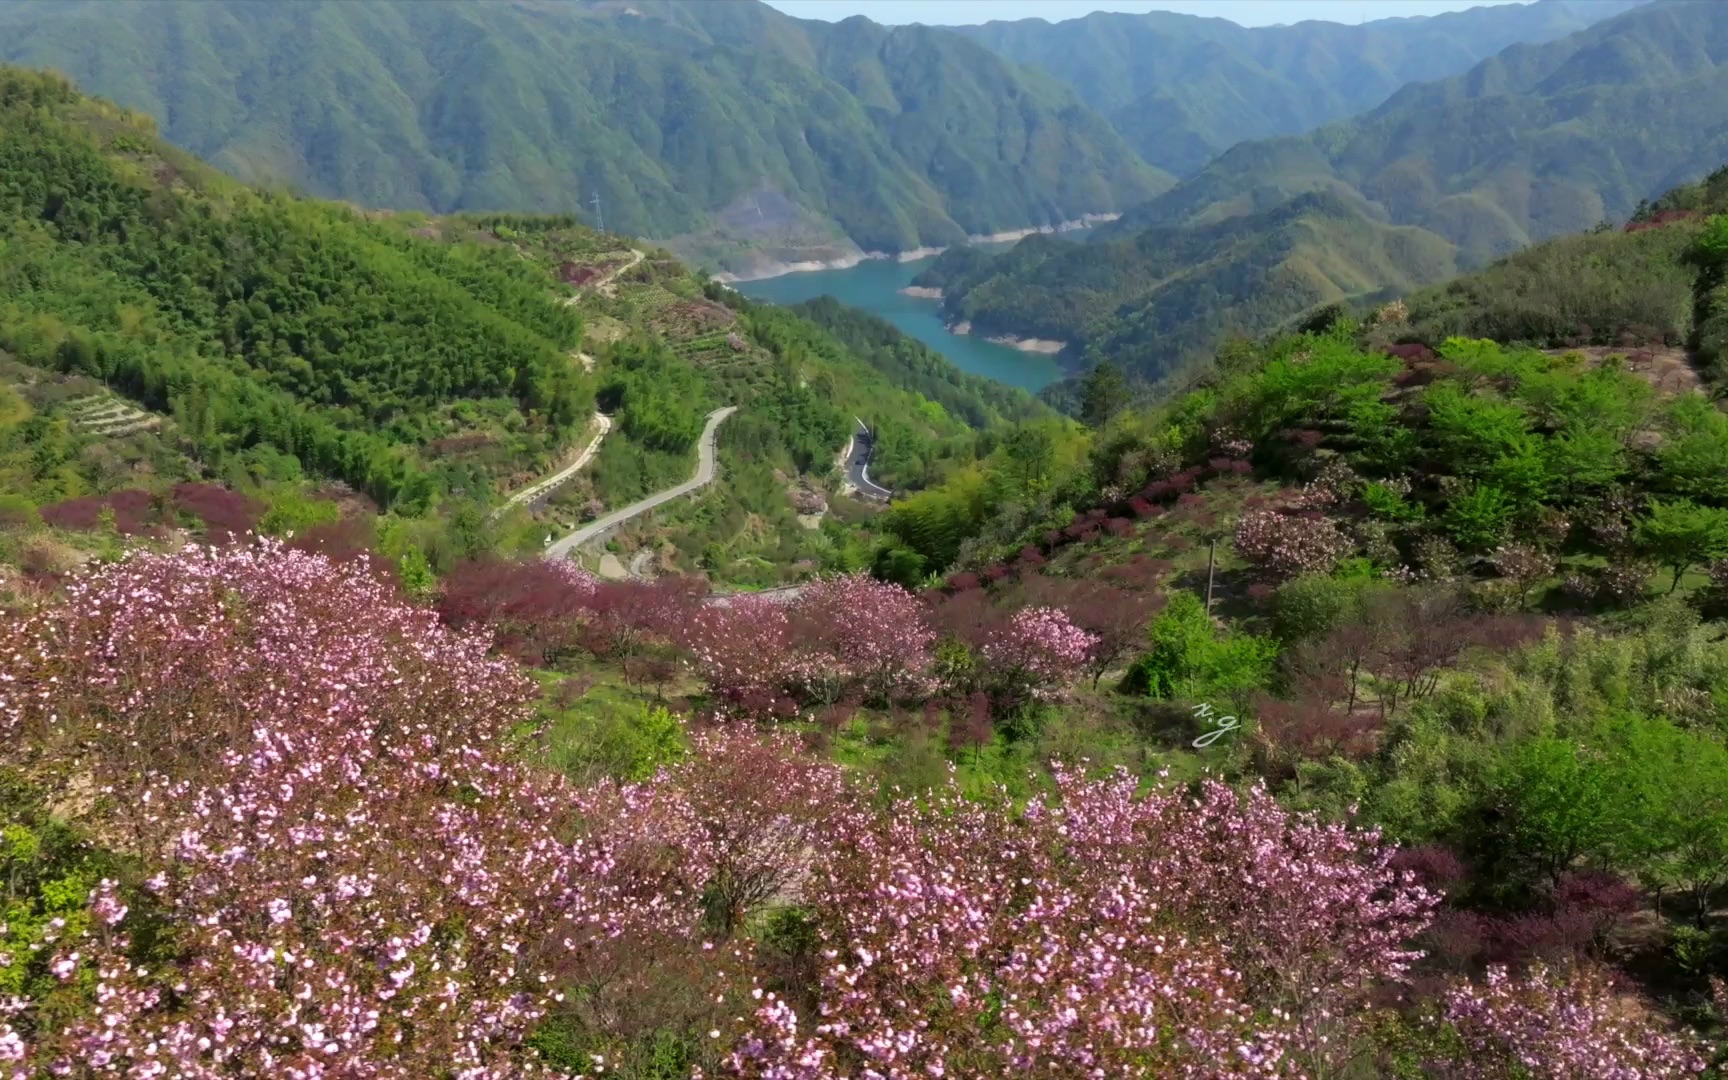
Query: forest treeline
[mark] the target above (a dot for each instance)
(258, 320)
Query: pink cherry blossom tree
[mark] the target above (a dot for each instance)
(845, 637)
(859, 637)
(739, 648)
(345, 868)
(739, 823)
(1284, 545)
(338, 864)
(1032, 653)
(1099, 933)
(1551, 1024)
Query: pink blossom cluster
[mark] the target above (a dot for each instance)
(854, 638)
(845, 636)
(1556, 1025)
(354, 873)
(338, 865)
(1040, 646)
(1336, 484)
(1287, 545)
(1522, 563)
(738, 824)
(1103, 932)
(1017, 655)
(1230, 442)
(860, 636)
(739, 648)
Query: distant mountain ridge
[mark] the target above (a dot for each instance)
(1184, 88)
(727, 123)
(1534, 142)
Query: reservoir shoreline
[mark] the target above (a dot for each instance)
(1043, 346)
(771, 270)
(875, 286)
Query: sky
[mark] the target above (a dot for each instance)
(1246, 12)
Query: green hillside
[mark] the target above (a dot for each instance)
(268, 326)
(912, 365)
(161, 323)
(1650, 286)
(1159, 299)
(1182, 89)
(728, 124)
(1534, 142)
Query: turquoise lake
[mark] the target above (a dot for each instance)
(874, 285)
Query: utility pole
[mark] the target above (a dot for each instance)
(599, 222)
(1211, 564)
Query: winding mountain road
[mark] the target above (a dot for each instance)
(541, 487)
(858, 464)
(559, 549)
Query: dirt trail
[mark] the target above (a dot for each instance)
(1668, 370)
(603, 285)
(541, 487)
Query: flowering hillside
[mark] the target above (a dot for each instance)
(264, 817)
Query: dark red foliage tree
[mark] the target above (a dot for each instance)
(86, 513)
(344, 540)
(1436, 868)
(1314, 729)
(1578, 922)
(537, 610)
(969, 725)
(963, 581)
(627, 616)
(1412, 353)
(226, 515)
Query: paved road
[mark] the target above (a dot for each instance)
(858, 465)
(784, 594)
(540, 487)
(704, 475)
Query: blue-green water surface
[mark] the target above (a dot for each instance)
(874, 285)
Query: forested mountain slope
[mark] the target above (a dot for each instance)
(727, 120)
(1653, 288)
(1182, 89)
(268, 325)
(1536, 141)
(1354, 655)
(1358, 711)
(1158, 299)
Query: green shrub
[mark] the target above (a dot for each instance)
(1310, 606)
(1479, 517)
(1192, 659)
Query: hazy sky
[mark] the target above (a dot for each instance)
(1246, 12)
